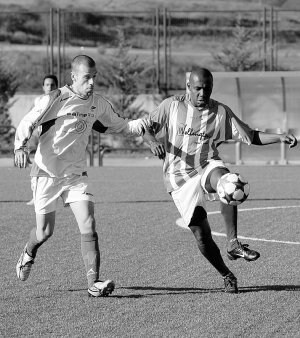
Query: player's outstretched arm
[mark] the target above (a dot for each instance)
(262, 138)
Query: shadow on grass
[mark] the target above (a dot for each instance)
(161, 291)
(161, 201)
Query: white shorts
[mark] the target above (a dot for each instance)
(47, 190)
(193, 192)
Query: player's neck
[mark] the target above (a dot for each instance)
(84, 97)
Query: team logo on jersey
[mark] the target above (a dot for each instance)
(80, 126)
(81, 114)
(184, 130)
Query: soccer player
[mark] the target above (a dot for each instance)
(66, 117)
(50, 83)
(188, 130)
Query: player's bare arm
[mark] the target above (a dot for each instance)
(262, 138)
(156, 147)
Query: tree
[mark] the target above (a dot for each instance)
(125, 76)
(8, 87)
(240, 54)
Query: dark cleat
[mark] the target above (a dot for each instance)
(242, 251)
(230, 283)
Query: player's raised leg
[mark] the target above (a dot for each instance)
(84, 214)
(38, 235)
(235, 249)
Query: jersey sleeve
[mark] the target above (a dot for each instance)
(113, 123)
(34, 118)
(29, 122)
(236, 129)
(159, 117)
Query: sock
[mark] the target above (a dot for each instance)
(229, 214)
(91, 256)
(33, 244)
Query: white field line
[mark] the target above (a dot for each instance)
(180, 223)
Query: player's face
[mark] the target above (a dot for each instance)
(200, 87)
(49, 85)
(83, 80)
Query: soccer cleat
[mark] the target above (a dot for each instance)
(101, 289)
(24, 265)
(230, 283)
(31, 202)
(242, 251)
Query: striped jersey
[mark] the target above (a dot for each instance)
(191, 136)
(66, 121)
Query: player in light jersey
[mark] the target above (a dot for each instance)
(66, 117)
(50, 83)
(189, 130)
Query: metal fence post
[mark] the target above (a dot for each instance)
(51, 40)
(157, 51)
(265, 40)
(165, 52)
(58, 71)
(271, 39)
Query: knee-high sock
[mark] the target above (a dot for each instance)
(229, 214)
(91, 256)
(33, 244)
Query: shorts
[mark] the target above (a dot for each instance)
(193, 192)
(47, 190)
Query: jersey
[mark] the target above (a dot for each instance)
(191, 136)
(66, 121)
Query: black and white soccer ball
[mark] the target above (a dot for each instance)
(233, 189)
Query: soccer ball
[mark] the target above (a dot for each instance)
(232, 189)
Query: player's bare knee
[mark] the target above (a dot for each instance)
(213, 178)
(44, 235)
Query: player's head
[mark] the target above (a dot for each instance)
(50, 83)
(200, 85)
(83, 74)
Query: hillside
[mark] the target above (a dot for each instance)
(140, 5)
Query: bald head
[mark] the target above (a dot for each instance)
(200, 85)
(82, 60)
(200, 73)
(83, 75)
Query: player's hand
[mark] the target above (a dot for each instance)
(157, 149)
(289, 139)
(22, 158)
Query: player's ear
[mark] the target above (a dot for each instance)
(73, 77)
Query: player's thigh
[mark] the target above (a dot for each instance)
(213, 178)
(84, 214)
(45, 225)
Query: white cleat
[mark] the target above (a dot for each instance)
(24, 265)
(31, 202)
(101, 289)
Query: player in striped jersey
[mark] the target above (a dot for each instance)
(66, 117)
(189, 130)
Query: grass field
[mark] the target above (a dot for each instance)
(164, 287)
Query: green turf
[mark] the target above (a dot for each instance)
(164, 287)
